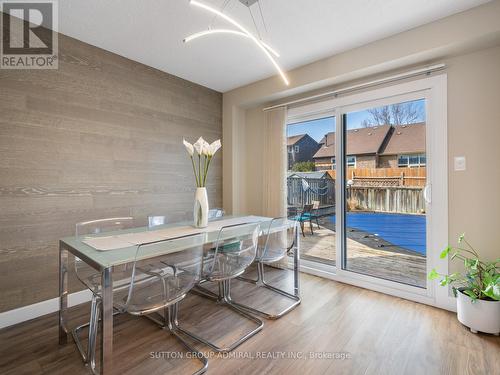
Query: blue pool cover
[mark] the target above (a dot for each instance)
(406, 231)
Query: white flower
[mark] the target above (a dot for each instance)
(212, 149)
(206, 148)
(189, 147)
(199, 146)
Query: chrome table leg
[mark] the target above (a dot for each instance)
(107, 321)
(63, 293)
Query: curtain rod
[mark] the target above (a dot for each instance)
(397, 77)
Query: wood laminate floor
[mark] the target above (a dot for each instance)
(338, 329)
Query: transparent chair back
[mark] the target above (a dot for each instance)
(277, 241)
(157, 220)
(215, 213)
(160, 281)
(86, 274)
(235, 250)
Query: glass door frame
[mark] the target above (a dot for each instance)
(433, 90)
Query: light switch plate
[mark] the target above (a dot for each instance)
(459, 163)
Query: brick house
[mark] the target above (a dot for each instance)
(405, 147)
(383, 146)
(300, 148)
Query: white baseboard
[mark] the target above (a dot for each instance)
(22, 314)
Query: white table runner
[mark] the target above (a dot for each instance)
(119, 241)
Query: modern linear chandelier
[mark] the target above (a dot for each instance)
(243, 32)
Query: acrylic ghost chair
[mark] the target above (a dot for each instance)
(235, 249)
(215, 213)
(156, 283)
(90, 277)
(278, 242)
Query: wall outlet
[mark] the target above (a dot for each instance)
(459, 163)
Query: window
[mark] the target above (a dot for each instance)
(290, 149)
(415, 160)
(296, 148)
(351, 162)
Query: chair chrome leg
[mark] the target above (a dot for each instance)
(75, 332)
(204, 292)
(88, 356)
(249, 280)
(295, 298)
(93, 328)
(225, 300)
(172, 326)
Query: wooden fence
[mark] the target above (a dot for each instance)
(398, 190)
(385, 176)
(321, 189)
(399, 199)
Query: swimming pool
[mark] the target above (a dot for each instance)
(406, 231)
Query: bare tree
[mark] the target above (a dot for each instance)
(394, 114)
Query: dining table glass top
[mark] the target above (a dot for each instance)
(120, 247)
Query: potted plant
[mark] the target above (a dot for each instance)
(477, 289)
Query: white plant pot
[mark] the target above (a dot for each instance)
(200, 212)
(479, 316)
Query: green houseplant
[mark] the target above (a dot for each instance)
(477, 288)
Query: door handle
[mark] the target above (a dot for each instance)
(427, 193)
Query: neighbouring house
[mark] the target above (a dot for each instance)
(300, 148)
(405, 147)
(383, 146)
(363, 147)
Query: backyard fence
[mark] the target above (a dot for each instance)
(320, 189)
(387, 199)
(398, 190)
(385, 176)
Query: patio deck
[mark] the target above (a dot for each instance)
(389, 263)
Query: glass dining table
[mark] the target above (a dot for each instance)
(107, 251)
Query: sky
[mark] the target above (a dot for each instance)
(318, 128)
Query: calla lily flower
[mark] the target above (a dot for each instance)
(189, 147)
(206, 148)
(214, 147)
(205, 153)
(199, 146)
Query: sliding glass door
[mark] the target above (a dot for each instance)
(385, 177)
(363, 194)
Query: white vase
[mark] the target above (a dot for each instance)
(479, 316)
(200, 213)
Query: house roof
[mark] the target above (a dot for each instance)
(359, 141)
(406, 139)
(290, 141)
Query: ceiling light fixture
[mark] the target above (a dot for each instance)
(227, 31)
(266, 49)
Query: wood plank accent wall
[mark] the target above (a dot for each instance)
(99, 137)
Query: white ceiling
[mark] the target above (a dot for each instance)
(303, 31)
